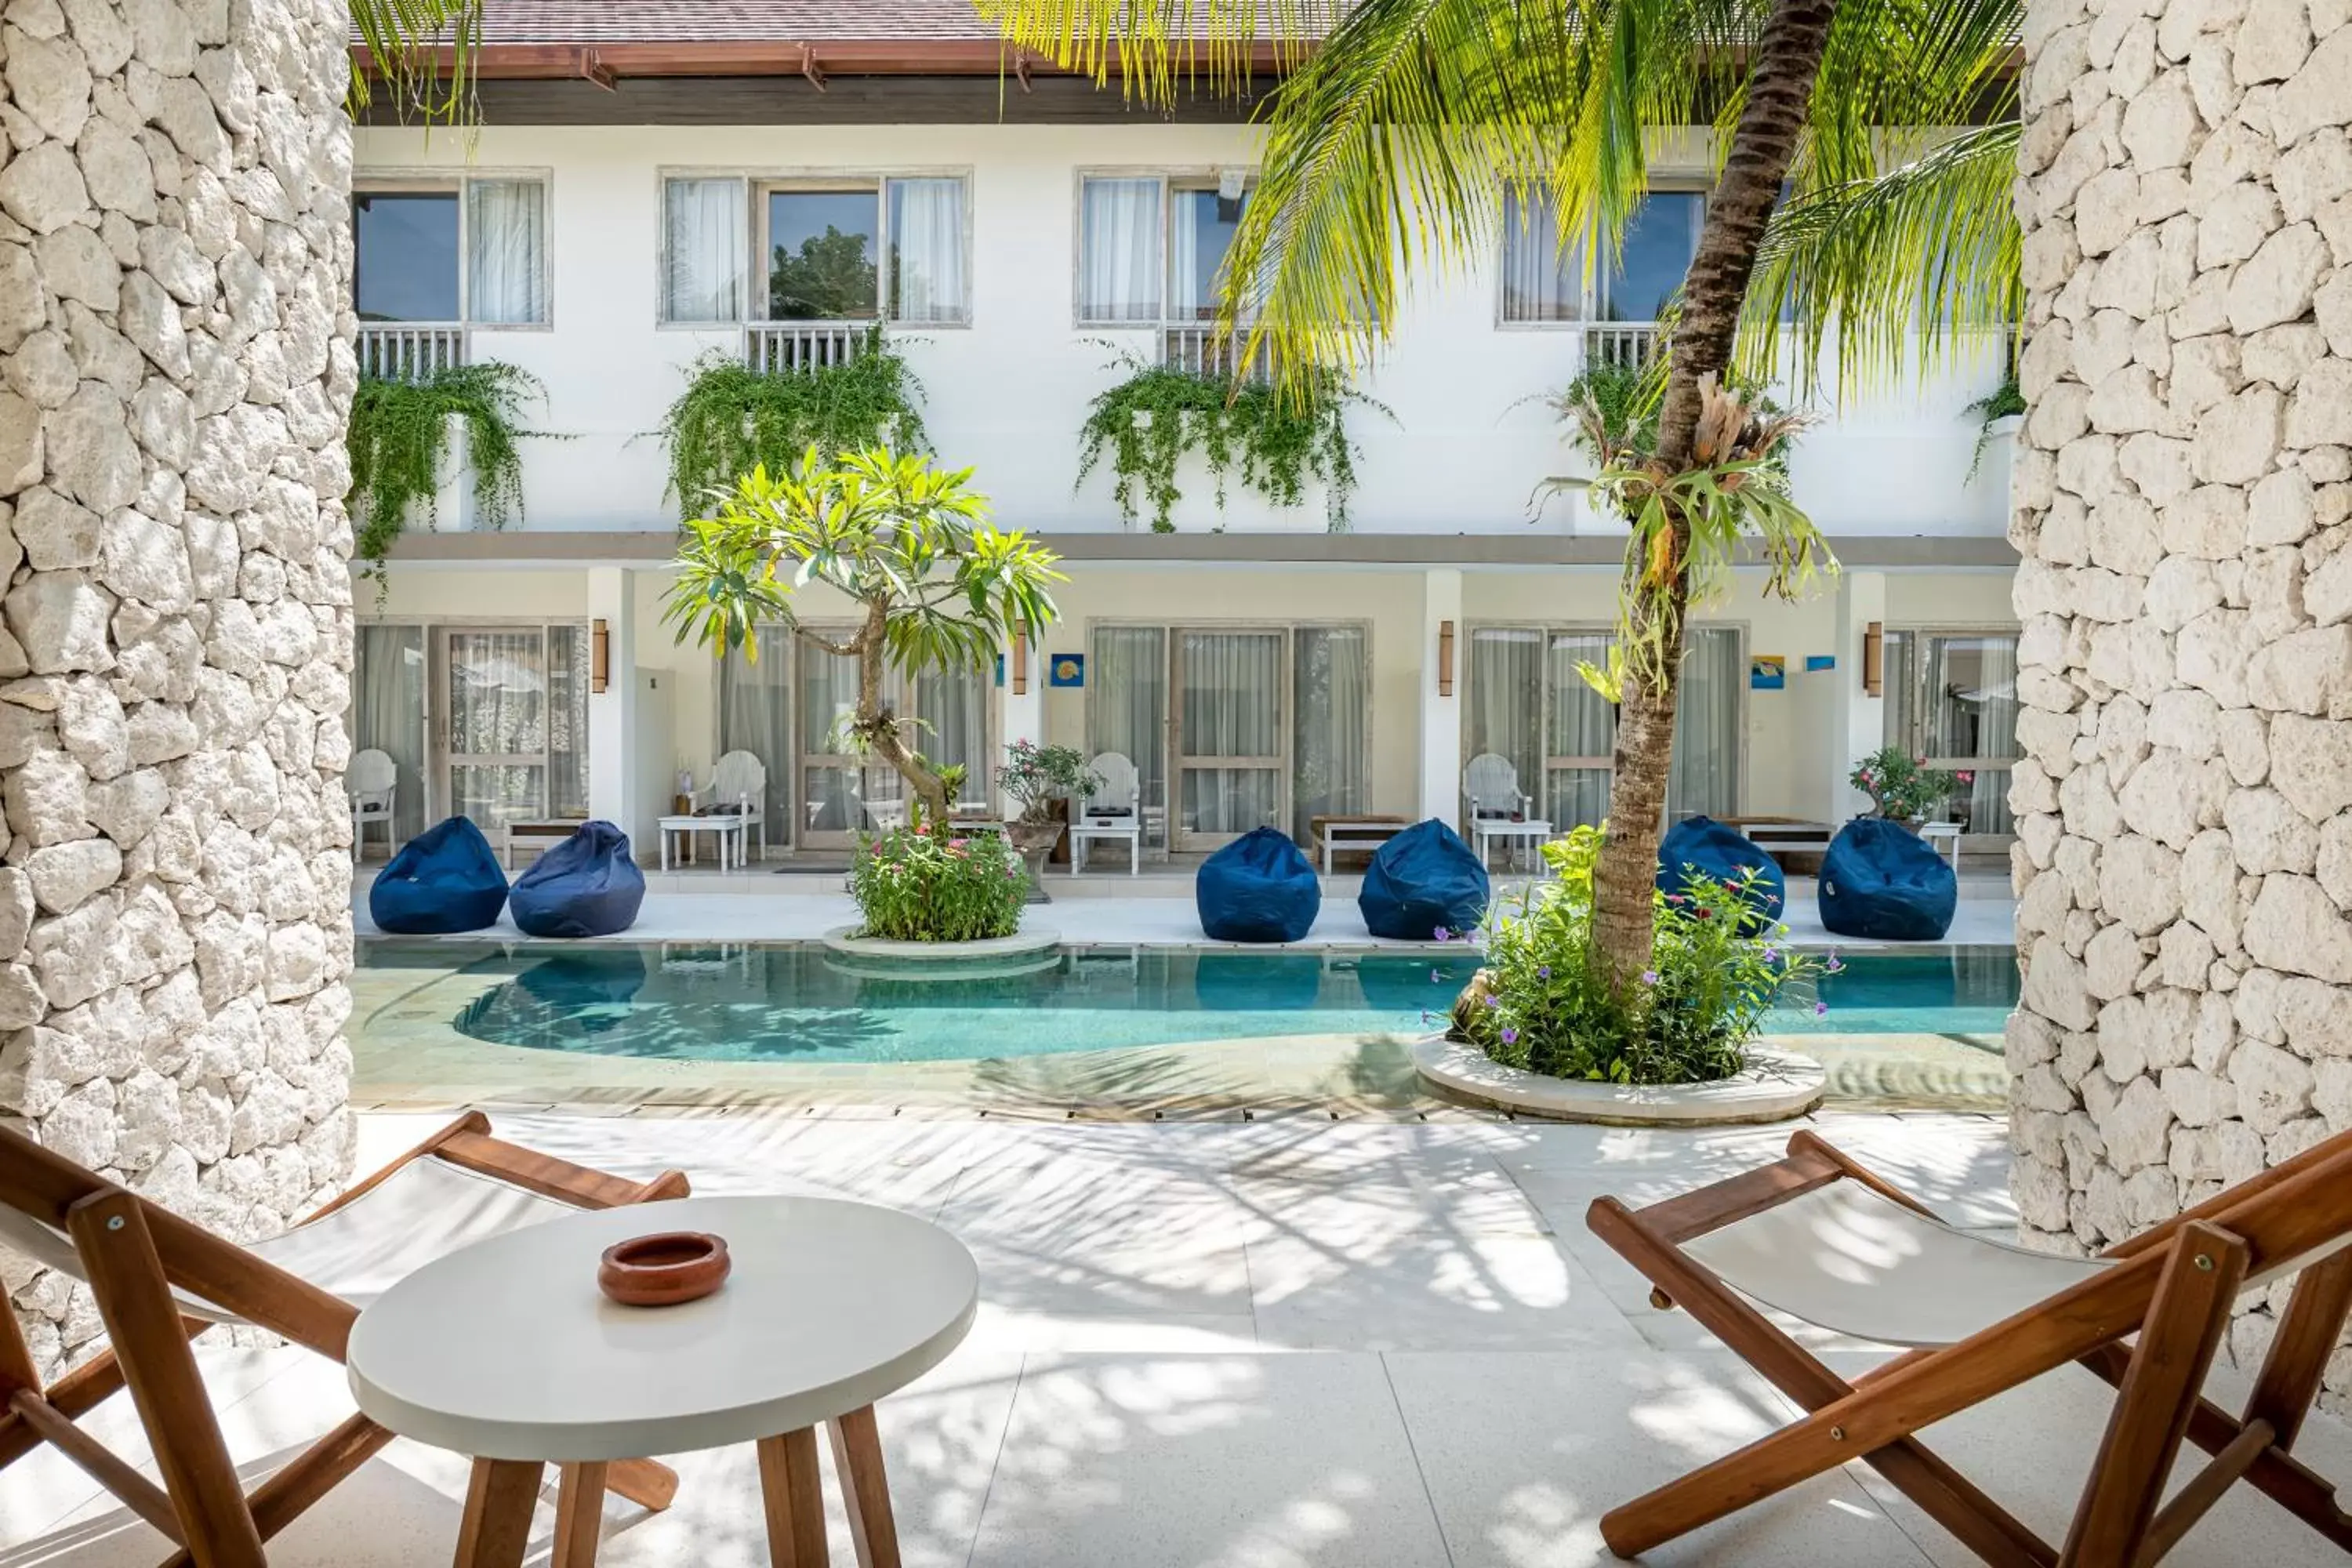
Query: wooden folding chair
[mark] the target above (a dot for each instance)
(160, 1280)
(1818, 1237)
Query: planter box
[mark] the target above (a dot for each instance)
(1778, 1085)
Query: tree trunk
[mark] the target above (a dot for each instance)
(879, 727)
(1788, 60)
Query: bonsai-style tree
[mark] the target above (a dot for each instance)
(1036, 776)
(1903, 788)
(934, 586)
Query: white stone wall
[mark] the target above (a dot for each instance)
(176, 374)
(2182, 493)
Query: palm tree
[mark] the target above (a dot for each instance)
(422, 55)
(1394, 141)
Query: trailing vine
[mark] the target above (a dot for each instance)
(732, 418)
(400, 433)
(2001, 403)
(1275, 441)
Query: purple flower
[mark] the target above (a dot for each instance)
(1510, 1035)
(1492, 1000)
(1833, 965)
(1543, 971)
(1819, 1008)
(1649, 978)
(1443, 935)
(1771, 954)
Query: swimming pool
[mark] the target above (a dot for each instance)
(799, 1002)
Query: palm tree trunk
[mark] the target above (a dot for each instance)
(1788, 58)
(879, 725)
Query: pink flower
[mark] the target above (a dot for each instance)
(958, 843)
(1965, 776)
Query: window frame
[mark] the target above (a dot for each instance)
(426, 181)
(1916, 634)
(1170, 178)
(1592, 289)
(756, 183)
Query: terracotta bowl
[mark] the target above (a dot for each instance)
(664, 1269)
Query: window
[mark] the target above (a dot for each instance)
(1151, 249)
(829, 252)
(1951, 698)
(1542, 284)
(473, 251)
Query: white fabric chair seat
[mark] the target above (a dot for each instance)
(1845, 1258)
(426, 1210)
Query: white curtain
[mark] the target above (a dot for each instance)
(1539, 283)
(505, 240)
(567, 721)
(755, 716)
(497, 726)
(927, 255)
(953, 706)
(1189, 293)
(1506, 701)
(1231, 707)
(831, 791)
(1127, 712)
(704, 248)
(1996, 736)
(1331, 749)
(388, 715)
(1119, 251)
(1583, 727)
(1705, 776)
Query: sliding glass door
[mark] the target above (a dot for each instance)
(1232, 767)
(942, 714)
(1331, 704)
(1127, 712)
(514, 722)
(1951, 697)
(388, 709)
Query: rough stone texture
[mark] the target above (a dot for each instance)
(2184, 806)
(175, 370)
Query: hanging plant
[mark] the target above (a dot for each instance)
(1274, 441)
(400, 434)
(2003, 402)
(732, 418)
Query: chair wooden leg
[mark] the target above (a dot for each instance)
(316, 1472)
(579, 1516)
(865, 1488)
(496, 1525)
(2184, 1328)
(794, 1499)
(2306, 1337)
(134, 1302)
(647, 1483)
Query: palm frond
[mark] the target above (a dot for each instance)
(405, 41)
(1927, 253)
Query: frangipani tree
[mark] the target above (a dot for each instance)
(934, 586)
(1392, 146)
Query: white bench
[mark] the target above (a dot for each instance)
(1344, 833)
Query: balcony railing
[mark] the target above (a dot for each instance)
(409, 350)
(769, 346)
(1205, 351)
(1630, 344)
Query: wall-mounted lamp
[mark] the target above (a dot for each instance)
(1873, 660)
(1446, 659)
(1020, 664)
(600, 657)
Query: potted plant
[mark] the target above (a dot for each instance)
(1035, 777)
(1903, 788)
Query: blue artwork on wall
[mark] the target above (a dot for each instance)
(1818, 661)
(1067, 669)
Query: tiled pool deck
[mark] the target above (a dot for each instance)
(1292, 1344)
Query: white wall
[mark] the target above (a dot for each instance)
(1008, 394)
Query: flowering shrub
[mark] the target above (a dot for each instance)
(1901, 786)
(1542, 1002)
(916, 885)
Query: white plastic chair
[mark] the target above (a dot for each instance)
(1491, 784)
(372, 781)
(1113, 811)
(740, 782)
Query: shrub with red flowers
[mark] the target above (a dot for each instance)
(1544, 1003)
(913, 884)
(1903, 787)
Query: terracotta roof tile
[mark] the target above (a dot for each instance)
(724, 21)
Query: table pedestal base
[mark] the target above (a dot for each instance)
(495, 1530)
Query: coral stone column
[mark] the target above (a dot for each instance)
(2184, 479)
(175, 375)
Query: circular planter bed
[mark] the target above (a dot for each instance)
(1777, 1085)
(1028, 949)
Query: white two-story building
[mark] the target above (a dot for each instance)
(645, 175)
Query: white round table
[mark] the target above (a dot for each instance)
(507, 1350)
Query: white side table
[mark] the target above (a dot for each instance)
(507, 1350)
(1943, 837)
(721, 825)
(1484, 830)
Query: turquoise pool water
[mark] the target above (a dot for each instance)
(796, 1002)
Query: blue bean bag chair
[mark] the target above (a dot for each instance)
(1259, 888)
(1424, 880)
(443, 881)
(585, 886)
(1882, 881)
(1704, 846)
